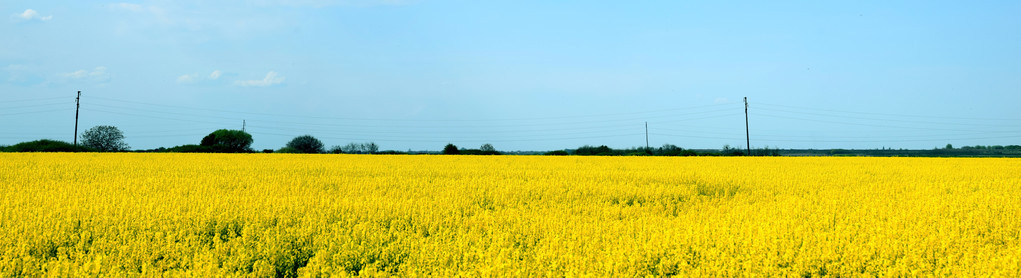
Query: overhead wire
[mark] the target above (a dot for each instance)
(550, 128)
(887, 114)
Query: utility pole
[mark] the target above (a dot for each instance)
(244, 123)
(77, 104)
(747, 137)
(647, 137)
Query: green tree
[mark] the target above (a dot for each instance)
(335, 150)
(104, 138)
(306, 144)
(451, 149)
(488, 149)
(590, 150)
(228, 140)
(371, 147)
(359, 148)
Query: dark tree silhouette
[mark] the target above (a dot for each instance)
(104, 138)
(306, 144)
(451, 149)
(228, 140)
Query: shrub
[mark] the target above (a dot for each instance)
(227, 140)
(306, 144)
(46, 145)
(451, 149)
(287, 150)
(590, 150)
(192, 149)
(558, 152)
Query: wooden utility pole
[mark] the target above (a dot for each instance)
(244, 123)
(747, 138)
(77, 104)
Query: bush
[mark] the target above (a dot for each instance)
(229, 141)
(192, 149)
(363, 148)
(556, 153)
(488, 149)
(451, 149)
(46, 145)
(590, 150)
(335, 150)
(287, 150)
(306, 144)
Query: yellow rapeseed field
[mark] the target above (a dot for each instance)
(327, 215)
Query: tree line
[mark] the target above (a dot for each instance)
(110, 139)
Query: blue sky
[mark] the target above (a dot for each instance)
(522, 75)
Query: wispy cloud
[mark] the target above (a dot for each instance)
(195, 77)
(271, 79)
(186, 79)
(31, 14)
(98, 74)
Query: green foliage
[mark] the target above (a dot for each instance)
(590, 150)
(228, 141)
(335, 150)
(357, 148)
(486, 149)
(557, 152)
(731, 151)
(46, 145)
(288, 150)
(672, 150)
(192, 149)
(104, 138)
(451, 149)
(306, 144)
(766, 151)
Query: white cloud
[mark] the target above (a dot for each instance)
(31, 14)
(721, 100)
(195, 78)
(270, 80)
(185, 79)
(98, 74)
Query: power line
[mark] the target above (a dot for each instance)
(421, 120)
(861, 124)
(890, 114)
(62, 103)
(34, 112)
(884, 120)
(443, 122)
(32, 99)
